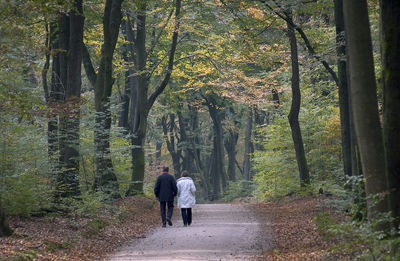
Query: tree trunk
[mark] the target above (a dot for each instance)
(128, 95)
(141, 112)
(159, 144)
(260, 118)
(390, 24)
(173, 149)
(195, 141)
(185, 144)
(364, 104)
(106, 180)
(343, 89)
(143, 102)
(295, 109)
(247, 146)
(217, 170)
(5, 229)
(63, 132)
(54, 97)
(69, 148)
(230, 147)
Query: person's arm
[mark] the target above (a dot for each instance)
(174, 187)
(157, 188)
(192, 188)
(179, 189)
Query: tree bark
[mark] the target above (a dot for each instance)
(364, 104)
(344, 102)
(106, 180)
(217, 170)
(141, 112)
(185, 143)
(295, 109)
(247, 146)
(230, 147)
(390, 37)
(128, 95)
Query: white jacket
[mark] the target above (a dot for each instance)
(186, 192)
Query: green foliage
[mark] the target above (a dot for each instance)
(25, 182)
(364, 242)
(23, 256)
(324, 221)
(237, 190)
(358, 237)
(276, 167)
(95, 226)
(53, 246)
(89, 204)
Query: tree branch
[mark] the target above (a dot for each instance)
(87, 63)
(157, 38)
(174, 43)
(47, 64)
(284, 15)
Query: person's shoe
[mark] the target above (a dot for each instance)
(189, 223)
(169, 222)
(184, 225)
(164, 225)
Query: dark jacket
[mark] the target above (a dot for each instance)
(165, 188)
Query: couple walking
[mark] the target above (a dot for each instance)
(166, 188)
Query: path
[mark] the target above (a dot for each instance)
(218, 232)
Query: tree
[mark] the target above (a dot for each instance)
(173, 147)
(344, 102)
(145, 102)
(217, 172)
(230, 142)
(5, 229)
(390, 37)
(247, 145)
(65, 42)
(295, 108)
(365, 104)
(105, 180)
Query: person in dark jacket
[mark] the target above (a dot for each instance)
(165, 190)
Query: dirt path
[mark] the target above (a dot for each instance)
(218, 232)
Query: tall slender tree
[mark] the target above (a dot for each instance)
(247, 145)
(365, 104)
(102, 81)
(390, 24)
(65, 38)
(344, 103)
(217, 168)
(295, 109)
(145, 101)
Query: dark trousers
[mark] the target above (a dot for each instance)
(186, 216)
(163, 205)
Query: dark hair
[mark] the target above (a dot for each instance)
(165, 169)
(185, 173)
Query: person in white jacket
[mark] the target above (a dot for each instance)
(186, 197)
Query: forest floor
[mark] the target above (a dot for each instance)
(290, 221)
(296, 235)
